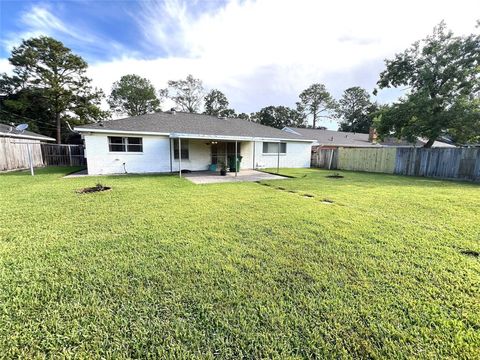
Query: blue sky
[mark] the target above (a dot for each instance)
(260, 53)
(110, 21)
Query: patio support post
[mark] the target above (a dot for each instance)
(236, 158)
(226, 155)
(254, 155)
(278, 158)
(180, 157)
(171, 161)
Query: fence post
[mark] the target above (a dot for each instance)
(70, 155)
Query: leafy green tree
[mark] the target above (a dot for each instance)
(133, 95)
(316, 102)
(49, 74)
(278, 117)
(215, 103)
(355, 110)
(186, 93)
(243, 116)
(442, 73)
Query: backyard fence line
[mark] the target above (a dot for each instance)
(444, 163)
(14, 154)
(63, 155)
(325, 158)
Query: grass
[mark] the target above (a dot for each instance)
(368, 266)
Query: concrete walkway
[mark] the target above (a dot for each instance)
(207, 177)
(80, 173)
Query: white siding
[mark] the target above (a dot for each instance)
(156, 156)
(297, 156)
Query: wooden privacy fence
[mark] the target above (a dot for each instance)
(381, 160)
(442, 163)
(63, 155)
(324, 158)
(14, 154)
(445, 163)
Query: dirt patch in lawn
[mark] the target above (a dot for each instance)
(472, 253)
(335, 176)
(96, 188)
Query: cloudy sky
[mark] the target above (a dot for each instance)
(259, 53)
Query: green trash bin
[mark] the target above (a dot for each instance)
(231, 163)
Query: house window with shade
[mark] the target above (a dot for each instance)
(272, 148)
(125, 144)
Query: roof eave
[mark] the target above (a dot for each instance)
(191, 136)
(23, 136)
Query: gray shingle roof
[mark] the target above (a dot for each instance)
(333, 138)
(7, 130)
(340, 138)
(189, 123)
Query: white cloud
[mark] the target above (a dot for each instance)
(265, 52)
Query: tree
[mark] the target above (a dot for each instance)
(133, 95)
(278, 116)
(215, 103)
(47, 71)
(442, 73)
(243, 116)
(355, 110)
(187, 94)
(316, 102)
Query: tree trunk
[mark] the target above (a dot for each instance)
(59, 128)
(314, 120)
(429, 143)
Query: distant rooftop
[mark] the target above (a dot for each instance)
(9, 130)
(340, 138)
(332, 137)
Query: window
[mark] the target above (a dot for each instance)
(125, 144)
(272, 148)
(184, 149)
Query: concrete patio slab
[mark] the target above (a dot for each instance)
(206, 177)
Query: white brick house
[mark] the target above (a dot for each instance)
(168, 141)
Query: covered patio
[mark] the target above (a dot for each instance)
(208, 177)
(196, 153)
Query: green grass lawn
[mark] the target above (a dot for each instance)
(162, 267)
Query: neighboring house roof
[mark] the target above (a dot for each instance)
(419, 143)
(182, 124)
(341, 138)
(332, 137)
(9, 131)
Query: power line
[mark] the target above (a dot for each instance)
(30, 119)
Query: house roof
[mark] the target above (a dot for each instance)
(391, 141)
(9, 131)
(341, 138)
(332, 137)
(182, 124)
